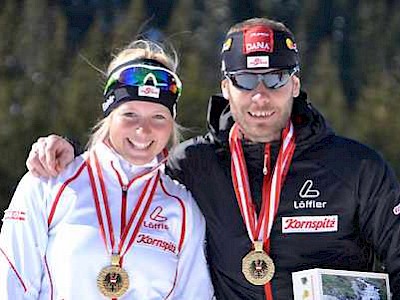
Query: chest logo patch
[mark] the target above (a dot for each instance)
(151, 241)
(17, 215)
(157, 216)
(307, 190)
(309, 224)
(157, 220)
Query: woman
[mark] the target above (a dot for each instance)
(112, 225)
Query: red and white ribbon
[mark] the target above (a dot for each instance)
(259, 228)
(103, 212)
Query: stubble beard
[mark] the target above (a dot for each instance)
(262, 133)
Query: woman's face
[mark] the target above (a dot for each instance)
(140, 130)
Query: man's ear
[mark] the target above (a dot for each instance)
(225, 88)
(296, 86)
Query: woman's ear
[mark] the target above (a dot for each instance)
(225, 88)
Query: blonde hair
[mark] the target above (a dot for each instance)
(137, 50)
(146, 49)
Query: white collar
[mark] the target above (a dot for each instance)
(107, 153)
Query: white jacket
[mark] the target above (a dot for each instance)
(51, 246)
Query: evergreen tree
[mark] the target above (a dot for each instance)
(159, 12)
(325, 90)
(215, 23)
(377, 120)
(40, 53)
(82, 95)
(129, 24)
(184, 33)
(10, 106)
(392, 40)
(286, 11)
(244, 9)
(33, 35)
(316, 21)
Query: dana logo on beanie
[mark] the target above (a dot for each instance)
(258, 39)
(259, 47)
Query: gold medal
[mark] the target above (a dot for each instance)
(257, 267)
(113, 281)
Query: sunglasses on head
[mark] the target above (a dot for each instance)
(140, 75)
(272, 80)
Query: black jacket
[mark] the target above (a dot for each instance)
(345, 179)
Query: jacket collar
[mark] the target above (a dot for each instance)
(108, 157)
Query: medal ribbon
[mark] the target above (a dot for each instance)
(260, 228)
(104, 214)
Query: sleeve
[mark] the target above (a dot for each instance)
(193, 278)
(78, 149)
(184, 162)
(379, 194)
(23, 241)
(176, 164)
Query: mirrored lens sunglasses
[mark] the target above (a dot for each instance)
(139, 75)
(272, 80)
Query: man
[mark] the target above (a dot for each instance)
(279, 190)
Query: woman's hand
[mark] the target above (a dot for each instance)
(49, 156)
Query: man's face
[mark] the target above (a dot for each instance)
(263, 112)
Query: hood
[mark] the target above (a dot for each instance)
(310, 125)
